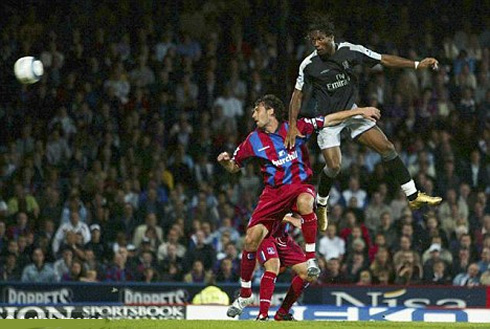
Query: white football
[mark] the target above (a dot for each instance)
(28, 70)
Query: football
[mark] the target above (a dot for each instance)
(28, 70)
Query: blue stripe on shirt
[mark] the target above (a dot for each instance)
(260, 152)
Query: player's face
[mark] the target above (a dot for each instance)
(261, 116)
(323, 43)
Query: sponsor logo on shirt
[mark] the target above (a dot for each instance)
(290, 157)
(342, 80)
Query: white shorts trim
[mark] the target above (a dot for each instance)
(330, 136)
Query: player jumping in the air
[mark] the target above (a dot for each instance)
(329, 71)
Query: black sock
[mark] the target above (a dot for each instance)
(399, 172)
(325, 184)
(413, 196)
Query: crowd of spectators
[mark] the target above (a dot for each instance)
(108, 171)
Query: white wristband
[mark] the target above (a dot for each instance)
(416, 63)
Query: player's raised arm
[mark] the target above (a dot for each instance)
(397, 61)
(227, 162)
(370, 113)
(294, 107)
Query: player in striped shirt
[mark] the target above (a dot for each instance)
(286, 174)
(278, 251)
(329, 73)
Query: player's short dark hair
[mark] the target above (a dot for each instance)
(272, 102)
(321, 22)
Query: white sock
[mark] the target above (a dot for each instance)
(310, 247)
(246, 284)
(409, 188)
(321, 200)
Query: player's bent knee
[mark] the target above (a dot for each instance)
(254, 237)
(273, 265)
(251, 243)
(304, 275)
(332, 171)
(389, 154)
(305, 203)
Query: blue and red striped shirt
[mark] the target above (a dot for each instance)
(280, 166)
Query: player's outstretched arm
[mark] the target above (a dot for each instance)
(225, 160)
(294, 107)
(400, 62)
(370, 113)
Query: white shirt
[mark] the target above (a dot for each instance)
(232, 106)
(474, 174)
(60, 235)
(331, 248)
(360, 195)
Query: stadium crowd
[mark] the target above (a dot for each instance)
(108, 170)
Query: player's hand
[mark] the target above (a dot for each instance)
(429, 62)
(291, 219)
(224, 157)
(371, 113)
(293, 132)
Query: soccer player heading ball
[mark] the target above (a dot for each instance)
(329, 71)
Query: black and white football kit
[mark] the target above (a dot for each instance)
(334, 87)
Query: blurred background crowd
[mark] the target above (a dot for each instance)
(107, 165)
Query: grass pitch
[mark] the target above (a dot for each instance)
(205, 324)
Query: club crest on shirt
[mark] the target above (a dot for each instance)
(270, 251)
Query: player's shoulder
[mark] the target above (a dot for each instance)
(253, 136)
(308, 59)
(345, 45)
(351, 47)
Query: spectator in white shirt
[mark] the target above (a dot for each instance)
(65, 122)
(62, 265)
(355, 191)
(162, 47)
(232, 107)
(74, 225)
(374, 211)
(140, 231)
(57, 150)
(330, 245)
(74, 204)
(118, 82)
(142, 75)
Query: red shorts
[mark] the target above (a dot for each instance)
(274, 203)
(286, 249)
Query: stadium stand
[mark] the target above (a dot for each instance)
(107, 165)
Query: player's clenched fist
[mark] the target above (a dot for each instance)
(225, 160)
(224, 156)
